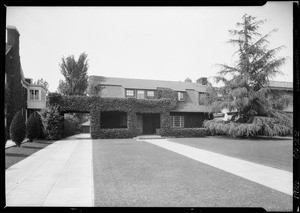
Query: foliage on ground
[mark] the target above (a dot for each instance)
(18, 129)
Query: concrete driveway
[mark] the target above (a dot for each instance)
(58, 175)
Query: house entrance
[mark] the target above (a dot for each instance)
(148, 123)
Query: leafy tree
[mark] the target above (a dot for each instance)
(94, 89)
(203, 81)
(188, 80)
(246, 91)
(18, 129)
(52, 123)
(75, 73)
(43, 82)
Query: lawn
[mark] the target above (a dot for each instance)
(139, 174)
(273, 152)
(15, 154)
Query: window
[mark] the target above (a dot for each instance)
(140, 94)
(123, 120)
(150, 94)
(129, 93)
(34, 94)
(177, 121)
(180, 96)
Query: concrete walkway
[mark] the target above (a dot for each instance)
(61, 174)
(277, 179)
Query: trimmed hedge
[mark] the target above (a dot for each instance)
(186, 132)
(32, 127)
(18, 129)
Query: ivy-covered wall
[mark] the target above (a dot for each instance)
(95, 105)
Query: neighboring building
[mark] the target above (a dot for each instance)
(85, 127)
(188, 114)
(281, 88)
(24, 96)
(278, 89)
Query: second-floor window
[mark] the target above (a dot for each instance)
(129, 93)
(180, 96)
(34, 95)
(140, 94)
(150, 94)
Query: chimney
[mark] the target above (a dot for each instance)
(13, 37)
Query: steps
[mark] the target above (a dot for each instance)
(140, 137)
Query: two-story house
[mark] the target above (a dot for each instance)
(188, 113)
(24, 96)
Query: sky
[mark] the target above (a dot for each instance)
(161, 43)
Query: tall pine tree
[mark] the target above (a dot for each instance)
(246, 85)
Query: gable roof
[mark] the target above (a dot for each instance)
(281, 85)
(130, 83)
(191, 107)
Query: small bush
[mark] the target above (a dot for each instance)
(32, 127)
(18, 129)
(186, 132)
(52, 123)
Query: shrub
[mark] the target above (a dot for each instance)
(52, 123)
(186, 132)
(32, 127)
(259, 126)
(18, 129)
(40, 126)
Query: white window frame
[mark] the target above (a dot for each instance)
(174, 123)
(129, 90)
(34, 94)
(179, 96)
(150, 92)
(140, 94)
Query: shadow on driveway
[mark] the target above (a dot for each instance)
(15, 155)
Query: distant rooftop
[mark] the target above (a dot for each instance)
(131, 83)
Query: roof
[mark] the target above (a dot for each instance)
(191, 107)
(130, 83)
(7, 48)
(281, 84)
